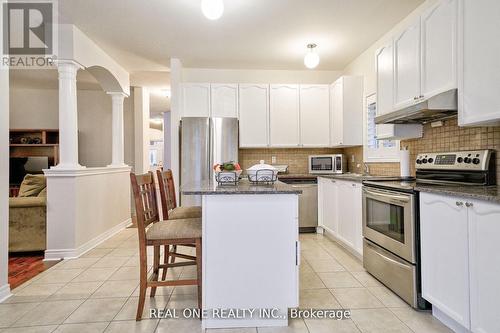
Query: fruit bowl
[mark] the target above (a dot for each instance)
(227, 173)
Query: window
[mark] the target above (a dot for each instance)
(377, 150)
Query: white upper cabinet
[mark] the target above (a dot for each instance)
(384, 67)
(439, 48)
(224, 100)
(284, 115)
(484, 228)
(407, 66)
(314, 115)
(346, 108)
(444, 253)
(479, 70)
(195, 100)
(254, 115)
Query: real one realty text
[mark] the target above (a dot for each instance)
(337, 314)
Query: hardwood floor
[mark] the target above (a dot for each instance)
(25, 265)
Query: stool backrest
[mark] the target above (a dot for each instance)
(167, 191)
(146, 205)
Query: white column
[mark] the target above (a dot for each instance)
(68, 116)
(118, 145)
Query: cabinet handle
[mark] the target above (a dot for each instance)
(469, 204)
(460, 203)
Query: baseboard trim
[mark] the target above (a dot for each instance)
(58, 254)
(5, 292)
(329, 234)
(448, 321)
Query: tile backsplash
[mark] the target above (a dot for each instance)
(295, 158)
(449, 137)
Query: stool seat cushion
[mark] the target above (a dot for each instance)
(174, 229)
(187, 212)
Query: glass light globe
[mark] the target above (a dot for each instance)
(212, 9)
(311, 60)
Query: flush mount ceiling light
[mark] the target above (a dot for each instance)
(311, 60)
(212, 9)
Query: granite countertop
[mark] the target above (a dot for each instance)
(243, 187)
(356, 177)
(297, 175)
(487, 193)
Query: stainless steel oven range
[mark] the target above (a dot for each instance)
(391, 245)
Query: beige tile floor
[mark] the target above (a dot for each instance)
(98, 293)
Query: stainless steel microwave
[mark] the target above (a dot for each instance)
(327, 164)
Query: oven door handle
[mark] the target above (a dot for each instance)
(390, 196)
(395, 262)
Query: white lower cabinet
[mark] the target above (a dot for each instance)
(340, 211)
(460, 266)
(444, 250)
(484, 262)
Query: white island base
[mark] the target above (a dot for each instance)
(250, 258)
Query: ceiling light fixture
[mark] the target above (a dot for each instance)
(212, 9)
(311, 60)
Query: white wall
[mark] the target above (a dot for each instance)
(141, 129)
(38, 108)
(4, 178)
(364, 64)
(167, 152)
(258, 76)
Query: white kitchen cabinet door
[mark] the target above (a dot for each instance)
(336, 104)
(315, 115)
(484, 247)
(330, 198)
(195, 99)
(346, 107)
(254, 115)
(284, 115)
(439, 48)
(384, 62)
(346, 206)
(407, 66)
(357, 210)
(479, 53)
(445, 255)
(224, 100)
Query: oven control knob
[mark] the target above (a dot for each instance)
(431, 160)
(460, 159)
(475, 160)
(419, 161)
(424, 161)
(467, 160)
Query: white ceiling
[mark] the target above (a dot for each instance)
(263, 34)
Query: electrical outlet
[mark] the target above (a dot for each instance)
(273, 159)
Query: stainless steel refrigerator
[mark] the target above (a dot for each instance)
(205, 142)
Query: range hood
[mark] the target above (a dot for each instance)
(438, 107)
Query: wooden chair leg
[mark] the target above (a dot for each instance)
(165, 262)
(174, 249)
(143, 284)
(156, 268)
(198, 270)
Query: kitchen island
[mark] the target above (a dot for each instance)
(250, 253)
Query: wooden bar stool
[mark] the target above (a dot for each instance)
(153, 232)
(169, 201)
(172, 212)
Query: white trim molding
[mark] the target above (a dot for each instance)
(57, 254)
(5, 292)
(86, 171)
